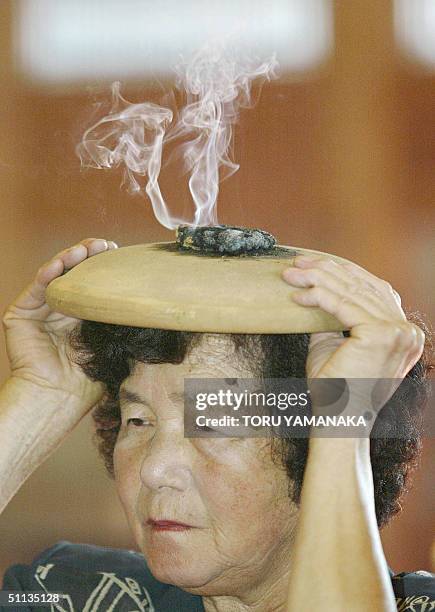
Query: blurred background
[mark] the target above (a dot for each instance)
(338, 155)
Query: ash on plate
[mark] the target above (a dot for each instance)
(224, 239)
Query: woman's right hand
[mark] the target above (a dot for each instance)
(36, 337)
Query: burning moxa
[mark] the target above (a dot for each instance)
(224, 239)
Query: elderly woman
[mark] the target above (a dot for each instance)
(223, 524)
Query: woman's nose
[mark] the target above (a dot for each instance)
(166, 463)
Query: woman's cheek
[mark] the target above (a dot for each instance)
(127, 472)
(127, 480)
(238, 503)
(228, 477)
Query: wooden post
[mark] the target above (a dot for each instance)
(362, 135)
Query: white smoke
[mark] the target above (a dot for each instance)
(217, 83)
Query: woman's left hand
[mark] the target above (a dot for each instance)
(382, 343)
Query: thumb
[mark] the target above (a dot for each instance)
(322, 346)
(34, 295)
(326, 339)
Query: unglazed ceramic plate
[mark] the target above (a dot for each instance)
(159, 285)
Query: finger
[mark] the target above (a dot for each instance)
(343, 307)
(377, 290)
(347, 269)
(81, 251)
(34, 295)
(85, 242)
(96, 246)
(329, 338)
(321, 345)
(310, 277)
(73, 256)
(347, 287)
(383, 286)
(88, 247)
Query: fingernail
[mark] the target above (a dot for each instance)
(100, 242)
(113, 245)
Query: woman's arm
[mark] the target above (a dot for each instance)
(33, 422)
(46, 395)
(338, 563)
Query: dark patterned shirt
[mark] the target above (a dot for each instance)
(96, 579)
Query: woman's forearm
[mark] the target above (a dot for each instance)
(338, 561)
(33, 422)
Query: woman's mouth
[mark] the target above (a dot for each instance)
(165, 525)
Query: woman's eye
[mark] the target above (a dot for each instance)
(137, 422)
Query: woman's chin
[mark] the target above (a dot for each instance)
(171, 556)
(185, 567)
(186, 571)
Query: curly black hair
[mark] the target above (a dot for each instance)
(107, 353)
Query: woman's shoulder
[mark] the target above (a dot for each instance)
(98, 577)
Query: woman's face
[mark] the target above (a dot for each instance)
(229, 492)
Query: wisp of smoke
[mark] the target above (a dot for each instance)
(216, 83)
